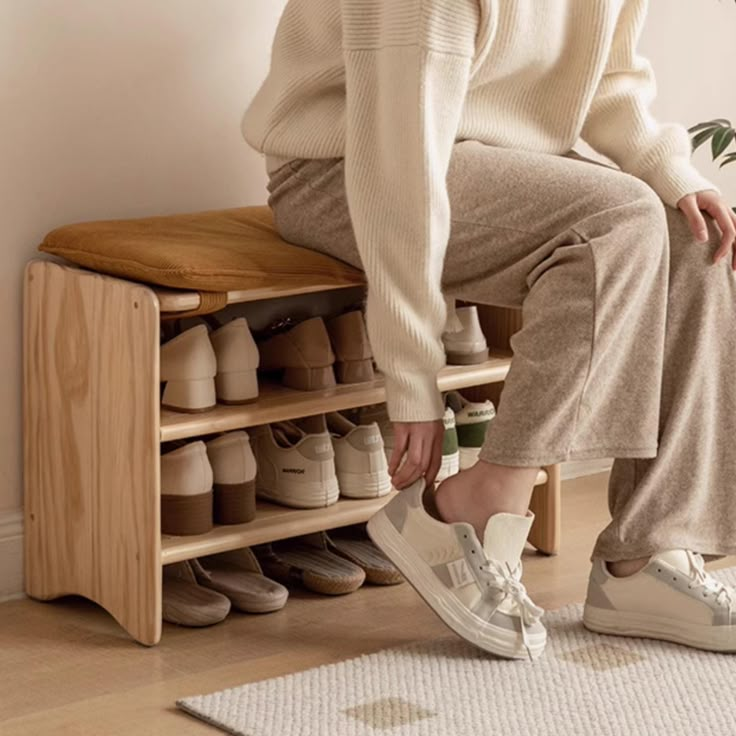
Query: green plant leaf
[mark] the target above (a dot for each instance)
(721, 141)
(731, 158)
(721, 123)
(702, 137)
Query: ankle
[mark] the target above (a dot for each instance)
(476, 494)
(625, 568)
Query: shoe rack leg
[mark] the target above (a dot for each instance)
(91, 443)
(499, 324)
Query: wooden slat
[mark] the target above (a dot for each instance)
(274, 522)
(172, 301)
(277, 402)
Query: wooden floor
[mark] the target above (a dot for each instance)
(66, 668)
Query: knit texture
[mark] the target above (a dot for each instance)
(392, 84)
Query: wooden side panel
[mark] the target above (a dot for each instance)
(91, 443)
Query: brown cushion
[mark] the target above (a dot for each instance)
(221, 250)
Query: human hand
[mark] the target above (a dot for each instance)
(693, 205)
(419, 444)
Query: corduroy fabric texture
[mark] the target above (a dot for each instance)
(628, 333)
(215, 251)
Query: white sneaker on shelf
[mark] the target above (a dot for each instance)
(186, 490)
(672, 598)
(188, 368)
(294, 468)
(378, 414)
(468, 346)
(471, 419)
(450, 453)
(234, 469)
(237, 361)
(360, 461)
(474, 588)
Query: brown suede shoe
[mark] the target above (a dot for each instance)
(354, 356)
(304, 355)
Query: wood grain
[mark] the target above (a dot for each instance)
(274, 522)
(277, 402)
(546, 503)
(91, 451)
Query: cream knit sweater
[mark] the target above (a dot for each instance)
(392, 84)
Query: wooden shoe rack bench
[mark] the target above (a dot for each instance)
(93, 427)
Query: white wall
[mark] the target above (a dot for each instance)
(132, 107)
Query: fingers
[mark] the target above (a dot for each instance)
(401, 439)
(690, 207)
(435, 461)
(415, 464)
(723, 217)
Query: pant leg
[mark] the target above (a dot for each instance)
(582, 249)
(686, 495)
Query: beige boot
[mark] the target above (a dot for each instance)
(303, 354)
(188, 367)
(237, 360)
(186, 490)
(353, 353)
(234, 470)
(467, 346)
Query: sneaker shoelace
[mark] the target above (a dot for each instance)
(502, 577)
(705, 581)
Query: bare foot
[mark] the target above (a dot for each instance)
(474, 495)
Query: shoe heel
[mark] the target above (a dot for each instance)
(190, 396)
(235, 503)
(239, 387)
(184, 515)
(309, 379)
(354, 371)
(467, 358)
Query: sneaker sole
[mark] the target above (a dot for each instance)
(451, 612)
(641, 625)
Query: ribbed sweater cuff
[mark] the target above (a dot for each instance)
(677, 178)
(413, 397)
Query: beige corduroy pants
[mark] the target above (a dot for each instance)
(628, 338)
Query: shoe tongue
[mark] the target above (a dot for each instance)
(677, 558)
(505, 536)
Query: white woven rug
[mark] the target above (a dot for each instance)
(584, 684)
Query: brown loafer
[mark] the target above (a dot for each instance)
(303, 354)
(353, 352)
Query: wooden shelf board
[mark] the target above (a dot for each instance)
(275, 522)
(277, 402)
(172, 301)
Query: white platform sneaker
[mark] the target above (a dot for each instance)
(360, 462)
(474, 588)
(294, 468)
(672, 598)
(188, 368)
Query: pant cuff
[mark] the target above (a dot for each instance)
(524, 459)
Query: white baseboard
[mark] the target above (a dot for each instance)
(11, 555)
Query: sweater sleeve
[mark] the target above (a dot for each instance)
(620, 125)
(407, 65)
